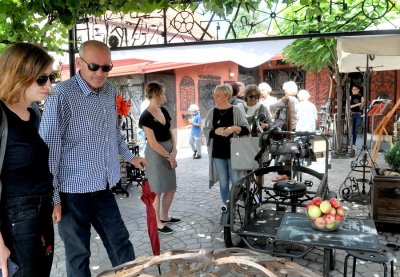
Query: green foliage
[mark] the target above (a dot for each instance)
(312, 54)
(18, 23)
(392, 156)
(46, 21)
(318, 53)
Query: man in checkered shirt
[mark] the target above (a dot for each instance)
(79, 124)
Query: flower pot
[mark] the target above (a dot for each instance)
(385, 198)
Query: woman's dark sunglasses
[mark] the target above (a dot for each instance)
(254, 96)
(42, 80)
(95, 67)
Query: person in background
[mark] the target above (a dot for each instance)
(306, 113)
(285, 117)
(143, 106)
(266, 98)
(356, 106)
(284, 111)
(221, 124)
(242, 87)
(235, 90)
(253, 108)
(196, 131)
(80, 126)
(161, 154)
(26, 207)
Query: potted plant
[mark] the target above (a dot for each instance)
(392, 158)
(385, 197)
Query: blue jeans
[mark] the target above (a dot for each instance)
(225, 173)
(27, 230)
(357, 118)
(79, 212)
(195, 143)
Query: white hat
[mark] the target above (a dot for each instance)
(193, 108)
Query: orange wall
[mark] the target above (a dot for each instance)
(221, 69)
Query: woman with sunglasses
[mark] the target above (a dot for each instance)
(221, 124)
(27, 235)
(255, 110)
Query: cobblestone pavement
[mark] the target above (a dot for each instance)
(199, 208)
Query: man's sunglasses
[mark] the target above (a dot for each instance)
(42, 80)
(95, 67)
(254, 96)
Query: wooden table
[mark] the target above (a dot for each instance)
(355, 234)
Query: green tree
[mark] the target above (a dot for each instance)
(46, 21)
(317, 53)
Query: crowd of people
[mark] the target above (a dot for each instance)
(72, 161)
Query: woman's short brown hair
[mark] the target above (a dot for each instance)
(153, 90)
(249, 89)
(20, 65)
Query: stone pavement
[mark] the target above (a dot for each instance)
(199, 208)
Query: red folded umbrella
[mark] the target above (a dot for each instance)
(148, 198)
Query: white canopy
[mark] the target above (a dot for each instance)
(247, 54)
(352, 53)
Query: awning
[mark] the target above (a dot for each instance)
(135, 66)
(146, 67)
(246, 54)
(384, 50)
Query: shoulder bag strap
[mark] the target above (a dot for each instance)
(4, 132)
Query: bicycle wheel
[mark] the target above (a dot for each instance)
(237, 214)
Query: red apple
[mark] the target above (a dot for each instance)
(330, 218)
(339, 217)
(325, 206)
(308, 205)
(320, 222)
(313, 212)
(335, 203)
(316, 201)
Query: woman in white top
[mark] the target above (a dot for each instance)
(306, 113)
(266, 98)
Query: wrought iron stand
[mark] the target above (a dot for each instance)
(355, 188)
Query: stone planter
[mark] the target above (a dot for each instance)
(385, 198)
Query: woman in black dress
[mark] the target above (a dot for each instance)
(160, 154)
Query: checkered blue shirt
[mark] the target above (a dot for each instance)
(80, 127)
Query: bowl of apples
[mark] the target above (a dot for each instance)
(325, 215)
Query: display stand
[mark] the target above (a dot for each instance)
(381, 128)
(356, 188)
(377, 108)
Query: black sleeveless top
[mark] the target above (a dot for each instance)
(25, 169)
(355, 99)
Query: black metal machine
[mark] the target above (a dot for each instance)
(257, 205)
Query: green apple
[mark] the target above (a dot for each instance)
(313, 212)
(331, 225)
(325, 206)
(340, 211)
